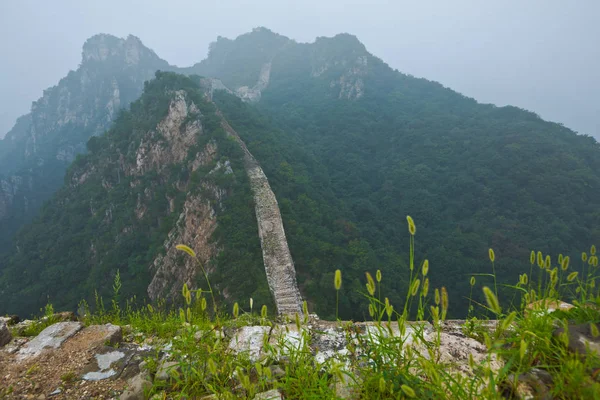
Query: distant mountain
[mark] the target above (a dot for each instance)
(350, 148)
(36, 152)
(382, 145)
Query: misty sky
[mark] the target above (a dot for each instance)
(542, 55)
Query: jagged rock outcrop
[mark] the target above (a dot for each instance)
(35, 154)
(279, 266)
(197, 221)
(194, 227)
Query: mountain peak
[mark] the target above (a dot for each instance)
(103, 46)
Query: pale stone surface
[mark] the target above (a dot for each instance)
(285, 339)
(15, 345)
(249, 341)
(50, 338)
(270, 395)
(165, 369)
(104, 362)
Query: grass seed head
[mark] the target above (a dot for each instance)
(186, 249)
(565, 263)
(337, 280)
(415, 287)
(491, 299)
(412, 229)
(408, 391)
(370, 284)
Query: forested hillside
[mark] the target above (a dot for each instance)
(164, 173)
(364, 146)
(350, 147)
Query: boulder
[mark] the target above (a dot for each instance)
(165, 370)
(5, 335)
(104, 334)
(581, 339)
(50, 338)
(249, 340)
(136, 387)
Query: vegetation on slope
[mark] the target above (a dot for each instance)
(476, 176)
(524, 352)
(90, 230)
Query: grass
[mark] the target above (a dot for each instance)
(384, 362)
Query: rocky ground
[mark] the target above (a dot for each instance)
(68, 360)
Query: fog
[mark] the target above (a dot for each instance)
(542, 55)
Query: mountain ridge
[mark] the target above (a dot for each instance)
(351, 146)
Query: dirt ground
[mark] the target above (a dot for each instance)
(37, 378)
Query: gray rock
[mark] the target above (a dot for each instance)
(5, 335)
(347, 387)
(581, 340)
(277, 372)
(107, 334)
(528, 386)
(15, 345)
(165, 370)
(50, 338)
(269, 395)
(136, 387)
(249, 340)
(104, 361)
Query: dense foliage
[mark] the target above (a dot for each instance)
(473, 176)
(90, 230)
(350, 147)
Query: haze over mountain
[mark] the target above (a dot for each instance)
(539, 55)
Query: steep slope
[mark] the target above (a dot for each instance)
(167, 172)
(36, 152)
(386, 145)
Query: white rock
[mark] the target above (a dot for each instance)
(270, 395)
(249, 340)
(50, 338)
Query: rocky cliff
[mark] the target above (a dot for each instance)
(34, 155)
(166, 173)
